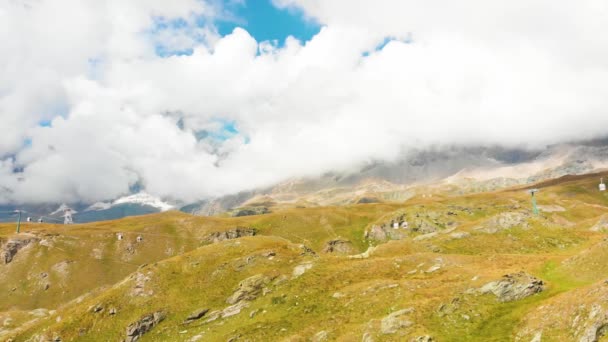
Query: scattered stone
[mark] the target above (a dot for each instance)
(253, 313)
(504, 221)
(551, 208)
(370, 250)
(601, 225)
(198, 314)
(7, 322)
(424, 338)
(367, 337)
(39, 312)
(112, 311)
(425, 236)
(460, 235)
(230, 234)
(320, 336)
(514, 287)
(301, 269)
(396, 321)
(137, 329)
(433, 268)
(537, 337)
(269, 255)
(338, 295)
(307, 250)
(97, 308)
(339, 246)
(249, 289)
(196, 338)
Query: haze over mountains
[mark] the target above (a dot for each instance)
(463, 169)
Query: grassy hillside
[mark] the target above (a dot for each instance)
(81, 283)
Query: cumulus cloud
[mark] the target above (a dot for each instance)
(98, 96)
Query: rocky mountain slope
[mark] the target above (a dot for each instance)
(475, 267)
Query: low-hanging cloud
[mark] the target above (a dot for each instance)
(88, 107)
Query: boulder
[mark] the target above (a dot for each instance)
(230, 234)
(249, 289)
(137, 329)
(514, 286)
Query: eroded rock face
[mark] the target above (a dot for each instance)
(137, 329)
(514, 286)
(230, 234)
(12, 247)
(339, 246)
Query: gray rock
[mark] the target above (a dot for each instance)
(320, 336)
(339, 246)
(514, 287)
(137, 329)
(460, 235)
(396, 321)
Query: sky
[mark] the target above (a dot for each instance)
(189, 99)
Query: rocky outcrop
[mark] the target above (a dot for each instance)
(250, 211)
(249, 289)
(514, 286)
(339, 246)
(137, 329)
(230, 234)
(396, 321)
(504, 221)
(196, 315)
(383, 233)
(12, 247)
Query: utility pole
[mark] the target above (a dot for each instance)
(18, 221)
(534, 207)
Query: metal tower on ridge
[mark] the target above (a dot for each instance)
(67, 216)
(534, 207)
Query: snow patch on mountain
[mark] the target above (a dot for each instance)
(63, 207)
(143, 198)
(99, 206)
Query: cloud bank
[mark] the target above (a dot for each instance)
(97, 97)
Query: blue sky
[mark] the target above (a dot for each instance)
(264, 22)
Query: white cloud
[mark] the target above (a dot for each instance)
(477, 72)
